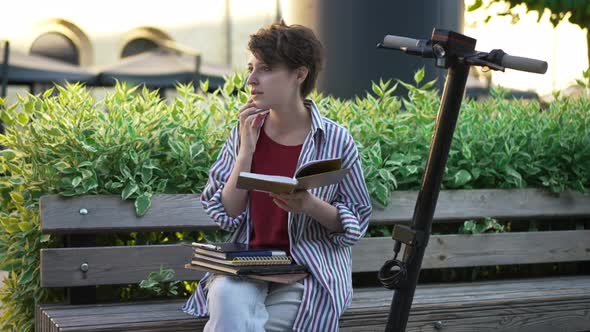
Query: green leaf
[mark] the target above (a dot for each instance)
(196, 149)
(48, 92)
(26, 277)
(162, 186)
(148, 283)
(129, 190)
(475, 5)
(515, 174)
(387, 176)
(412, 169)
(461, 178)
(228, 87)
(91, 183)
(6, 118)
(17, 180)
(381, 194)
(45, 238)
(88, 147)
(125, 170)
(25, 226)
(419, 76)
(428, 85)
(11, 229)
(7, 154)
(23, 118)
(204, 86)
(146, 174)
(61, 165)
(113, 185)
(376, 154)
(377, 90)
(86, 173)
(76, 181)
(143, 203)
(17, 197)
(243, 97)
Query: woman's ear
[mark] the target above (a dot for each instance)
(302, 74)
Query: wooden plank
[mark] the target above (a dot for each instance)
(480, 203)
(108, 213)
(549, 317)
(515, 311)
(138, 316)
(502, 305)
(489, 292)
(112, 265)
(460, 250)
(519, 315)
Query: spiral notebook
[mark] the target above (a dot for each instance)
(242, 261)
(234, 250)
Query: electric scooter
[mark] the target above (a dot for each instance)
(455, 52)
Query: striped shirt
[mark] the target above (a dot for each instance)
(327, 255)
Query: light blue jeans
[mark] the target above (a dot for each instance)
(251, 305)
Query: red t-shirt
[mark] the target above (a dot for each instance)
(269, 222)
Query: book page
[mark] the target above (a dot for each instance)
(269, 178)
(322, 179)
(266, 183)
(319, 166)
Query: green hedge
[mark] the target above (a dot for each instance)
(135, 145)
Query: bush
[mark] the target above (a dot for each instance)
(135, 145)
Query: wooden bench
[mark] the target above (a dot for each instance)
(542, 304)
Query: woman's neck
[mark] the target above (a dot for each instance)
(289, 117)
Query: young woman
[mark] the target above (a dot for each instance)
(316, 227)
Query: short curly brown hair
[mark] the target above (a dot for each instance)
(291, 45)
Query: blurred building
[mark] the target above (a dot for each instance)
(102, 32)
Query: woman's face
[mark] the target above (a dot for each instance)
(272, 86)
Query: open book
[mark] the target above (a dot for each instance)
(313, 174)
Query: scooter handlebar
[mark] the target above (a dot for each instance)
(524, 64)
(399, 42)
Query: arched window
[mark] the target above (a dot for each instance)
(137, 46)
(57, 46)
(62, 40)
(141, 40)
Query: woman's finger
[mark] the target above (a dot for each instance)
(280, 199)
(248, 104)
(255, 111)
(288, 197)
(258, 120)
(282, 205)
(248, 122)
(246, 111)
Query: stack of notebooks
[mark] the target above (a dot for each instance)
(242, 260)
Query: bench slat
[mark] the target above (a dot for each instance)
(507, 307)
(461, 250)
(108, 213)
(112, 265)
(116, 265)
(480, 203)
